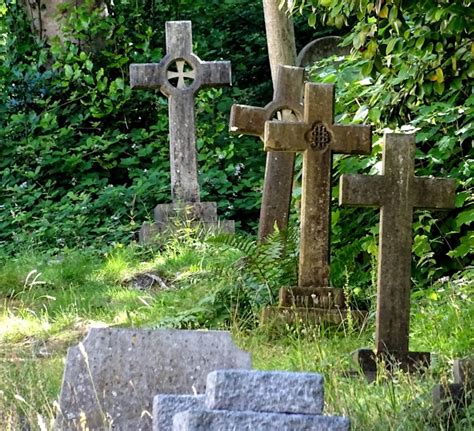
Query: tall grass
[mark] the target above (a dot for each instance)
(48, 302)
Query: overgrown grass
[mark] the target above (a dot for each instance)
(48, 302)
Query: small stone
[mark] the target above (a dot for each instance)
(265, 391)
(166, 406)
(222, 420)
(463, 371)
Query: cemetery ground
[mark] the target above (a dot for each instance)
(196, 282)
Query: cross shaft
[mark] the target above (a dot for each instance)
(250, 120)
(397, 192)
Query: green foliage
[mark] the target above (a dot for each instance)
(259, 273)
(83, 159)
(411, 69)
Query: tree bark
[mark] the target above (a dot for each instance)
(48, 16)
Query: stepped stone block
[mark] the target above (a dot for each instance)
(265, 391)
(220, 420)
(166, 406)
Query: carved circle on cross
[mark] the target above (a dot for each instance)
(180, 74)
(318, 137)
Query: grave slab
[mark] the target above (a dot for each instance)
(397, 192)
(320, 49)
(179, 76)
(265, 391)
(112, 376)
(220, 420)
(166, 406)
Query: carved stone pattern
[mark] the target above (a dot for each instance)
(318, 137)
(179, 70)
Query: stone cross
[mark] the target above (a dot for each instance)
(179, 75)
(249, 120)
(318, 138)
(397, 192)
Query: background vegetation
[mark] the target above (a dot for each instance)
(83, 160)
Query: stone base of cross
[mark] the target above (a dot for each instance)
(370, 362)
(313, 306)
(168, 217)
(310, 316)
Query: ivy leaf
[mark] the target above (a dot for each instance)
(465, 217)
(391, 45)
(439, 75)
(68, 71)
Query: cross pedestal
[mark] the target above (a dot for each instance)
(397, 192)
(250, 120)
(317, 138)
(179, 75)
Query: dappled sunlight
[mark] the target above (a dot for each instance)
(15, 328)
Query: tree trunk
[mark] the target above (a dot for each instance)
(48, 16)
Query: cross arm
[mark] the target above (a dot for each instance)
(248, 120)
(214, 74)
(285, 136)
(434, 193)
(351, 139)
(361, 190)
(146, 75)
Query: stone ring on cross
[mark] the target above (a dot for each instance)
(180, 74)
(286, 114)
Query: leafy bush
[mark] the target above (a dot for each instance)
(411, 69)
(82, 160)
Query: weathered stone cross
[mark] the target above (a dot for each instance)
(318, 138)
(179, 75)
(249, 120)
(397, 192)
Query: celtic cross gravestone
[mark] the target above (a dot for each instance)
(397, 192)
(321, 48)
(179, 75)
(249, 120)
(317, 138)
